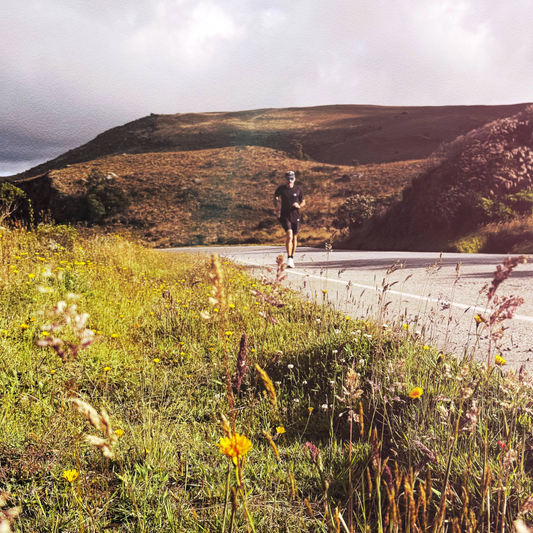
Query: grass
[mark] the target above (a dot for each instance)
(220, 196)
(353, 424)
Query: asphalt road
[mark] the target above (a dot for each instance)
(432, 294)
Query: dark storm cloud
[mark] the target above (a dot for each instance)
(71, 68)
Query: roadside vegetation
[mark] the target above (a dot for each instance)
(146, 391)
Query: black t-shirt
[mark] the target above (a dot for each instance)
(289, 195)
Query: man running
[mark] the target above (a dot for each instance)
(292, 199)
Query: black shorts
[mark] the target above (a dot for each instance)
(288, 224)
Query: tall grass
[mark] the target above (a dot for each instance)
(352, 426)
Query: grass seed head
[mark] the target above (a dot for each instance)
(269, 386)
(273, 445)
(89, 412)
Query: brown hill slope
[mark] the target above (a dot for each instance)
(219, 195)
(337, 134)
(482, 178)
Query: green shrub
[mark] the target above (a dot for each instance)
(10, 199)
(104, 198)
(355, 211)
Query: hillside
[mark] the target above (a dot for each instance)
(477, 195)
(209, 177)
(213, 196)
(336, 134)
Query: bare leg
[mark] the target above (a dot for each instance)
(289, 242)
(294, 244)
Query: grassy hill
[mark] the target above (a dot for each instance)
(214, 196)
(476, 196)
(209, 177)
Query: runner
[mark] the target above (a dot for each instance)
(292, 199)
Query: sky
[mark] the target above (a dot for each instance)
(71, 69)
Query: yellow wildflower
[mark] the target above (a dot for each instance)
(157, 360)
(499, 360)
(24, 326)
(416, 392)
(71, 475)
(114, 335)
(280, 430)
(310, 409)
(107, 368)
(236, 446)
(119, 432)
(405, 326)
(426, 347)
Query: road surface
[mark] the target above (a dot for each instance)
(432, 295)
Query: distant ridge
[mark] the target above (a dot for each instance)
(334, 134)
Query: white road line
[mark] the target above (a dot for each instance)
(523, 318)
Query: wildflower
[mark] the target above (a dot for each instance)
(157, 360)
(229, 333)
(499, 360)
(324, 291)
(325, 406)
(45, 333)
(280, 430)
(231, 306)
(24, 326)
(310, 409)
(31, 276)
(405, 326)
(416, 392)
(107, 368)
(290, 367)
(114, 335)
(119, 433)
(296, 400)
(52, 371)
(304, 382)
(426, 347)
(235, 446)
(71, 475)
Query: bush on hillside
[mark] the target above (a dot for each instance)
(355, 211)
(10, 199)
(104, 198)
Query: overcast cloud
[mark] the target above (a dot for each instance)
(70, 69)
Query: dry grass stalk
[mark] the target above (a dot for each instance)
(100, 422)
(269, 386)
(503, 272)
(218, 290)
(241, 363)
(273, 445)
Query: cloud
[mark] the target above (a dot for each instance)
(72, 68)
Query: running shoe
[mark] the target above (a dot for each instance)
(290, 262)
